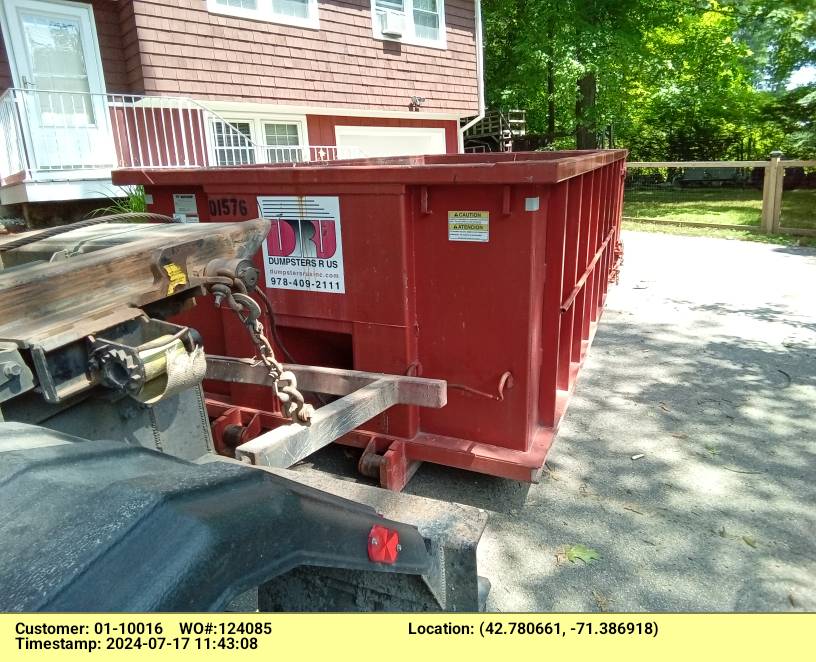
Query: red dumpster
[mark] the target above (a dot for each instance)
(489, 271)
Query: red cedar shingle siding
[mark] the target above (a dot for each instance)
(178, 47)
(188, 51)
(109, 32)
(130, 48)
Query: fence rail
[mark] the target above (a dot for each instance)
(718, 164)
(755, 196)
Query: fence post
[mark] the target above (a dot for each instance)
(772, 194)
(777, 215)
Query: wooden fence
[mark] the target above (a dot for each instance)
(772, 193)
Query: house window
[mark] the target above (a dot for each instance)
(232, 143)
(426, 19)
(284, 142)
(249, 141)
(292, 12)
(240, 4)
(298, 8)
(420, 22)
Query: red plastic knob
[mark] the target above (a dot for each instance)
(383, 545)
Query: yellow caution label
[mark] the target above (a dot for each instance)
(176, 275)
(469, 226)
(466, 226)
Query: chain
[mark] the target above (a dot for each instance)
(248, 312)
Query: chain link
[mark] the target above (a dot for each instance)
(248, 311)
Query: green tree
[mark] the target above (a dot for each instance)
(677, 78)
(571, 45)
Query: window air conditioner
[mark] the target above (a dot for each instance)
(391, 23)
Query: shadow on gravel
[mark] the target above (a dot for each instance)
(717, 515)
(795, 250)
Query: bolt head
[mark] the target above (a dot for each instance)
(12, 370)
(374, 542)
(399, 548)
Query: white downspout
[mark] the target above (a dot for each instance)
(479, 76)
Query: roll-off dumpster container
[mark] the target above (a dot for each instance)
(489, 271)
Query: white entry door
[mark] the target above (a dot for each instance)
(55, 60)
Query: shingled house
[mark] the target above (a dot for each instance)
(93, 86)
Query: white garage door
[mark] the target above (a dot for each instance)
(390, 141)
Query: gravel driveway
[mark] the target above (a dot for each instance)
(687, 459)
(704, 364)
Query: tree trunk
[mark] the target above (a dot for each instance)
(551, 86)
(586, 130)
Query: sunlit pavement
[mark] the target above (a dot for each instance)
(705, 364)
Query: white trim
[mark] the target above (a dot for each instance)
(409, 36)
(266, 13)
(479, 76)
(267, 114)
(233, 107)
(86, 189)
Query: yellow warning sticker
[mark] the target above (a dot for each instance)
(176, 275)
(469, 226)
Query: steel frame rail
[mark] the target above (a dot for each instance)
(364, 396)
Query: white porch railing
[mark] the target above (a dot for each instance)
(13, 156)
(47, 134)
(247, 152)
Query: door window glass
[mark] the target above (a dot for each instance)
(57, 63)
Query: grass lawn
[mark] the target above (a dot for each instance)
(799, 209)
(723, 233)
(718, 205)
(726, 206)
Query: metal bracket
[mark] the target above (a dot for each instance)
(364, 396)
(15, 376)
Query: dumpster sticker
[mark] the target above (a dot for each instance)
(185, 208)
(176, 275)
(469, 226)
(304, 247)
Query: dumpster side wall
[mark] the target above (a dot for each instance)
(495, 287)
(479, 310)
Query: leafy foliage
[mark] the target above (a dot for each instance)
(581, 553)
(677, 79)
(134, 201)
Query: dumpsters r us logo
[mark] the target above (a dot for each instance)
(304, 248)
